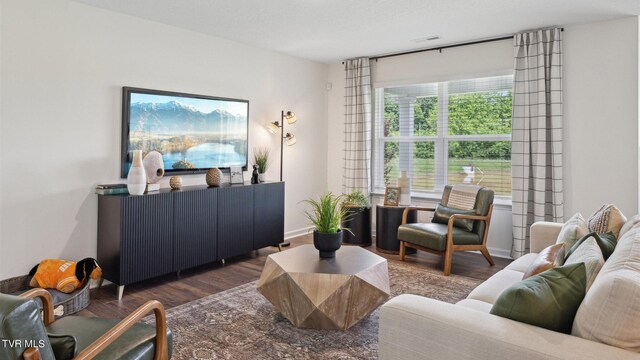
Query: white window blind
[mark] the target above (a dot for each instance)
(444, 133)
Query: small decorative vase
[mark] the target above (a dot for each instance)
(214, 177)
(327, 244)
(137, 178)
(404, 183)
(262, 177)
(254, 175)
(175, 182)
(153, 166)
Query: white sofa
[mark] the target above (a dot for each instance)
(416, 327)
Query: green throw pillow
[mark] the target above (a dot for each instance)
(443, 213)
(607, 243)
(549, 300)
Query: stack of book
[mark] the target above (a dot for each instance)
(112, 189)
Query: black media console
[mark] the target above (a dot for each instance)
(141, 237)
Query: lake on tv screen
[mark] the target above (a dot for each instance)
(205, 156)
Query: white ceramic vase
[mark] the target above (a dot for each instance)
(404, 183)
(137, 178)
(262, 177)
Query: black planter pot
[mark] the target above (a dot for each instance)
(359, 222)
(327, 244)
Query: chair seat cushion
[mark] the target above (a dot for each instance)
(434, 236)
(137, 343)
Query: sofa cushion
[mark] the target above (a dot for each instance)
(607, 219)
(630, 224)
(442, 214)
(136, 343)
(589, 253)
(610, 312)
(549, 299)
(475, 304)
(434, 236)
(572, 231)
(489, 290)
(522, 263)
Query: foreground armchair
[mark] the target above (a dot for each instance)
(25, 336)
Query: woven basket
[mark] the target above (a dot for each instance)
(78, 301)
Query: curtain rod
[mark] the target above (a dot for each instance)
(440, 48)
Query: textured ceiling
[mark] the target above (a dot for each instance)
(332, 30)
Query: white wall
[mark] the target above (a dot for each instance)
(601, 112)
(62, 68)
(601, 116)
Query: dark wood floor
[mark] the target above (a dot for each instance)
(173, 290)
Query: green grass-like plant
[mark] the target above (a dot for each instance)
(356, 199)
(261, 158)
(326, 213)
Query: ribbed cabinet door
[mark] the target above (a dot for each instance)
(268, 218)
(195, 227)
(147, 237)
(235, 221)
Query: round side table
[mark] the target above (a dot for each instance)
(388, 219)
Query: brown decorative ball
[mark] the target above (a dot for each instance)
(214, 177)
(175, 182)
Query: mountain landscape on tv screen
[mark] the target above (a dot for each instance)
(174, 117)
(187, 137)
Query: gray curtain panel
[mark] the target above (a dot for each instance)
(357, 127)
(536, 154)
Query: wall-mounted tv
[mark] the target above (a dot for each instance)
(192, 132)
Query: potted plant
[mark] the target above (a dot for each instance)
(261, 159)
(326, 215)
(357, 219)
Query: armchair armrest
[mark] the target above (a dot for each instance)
(543, 234)
(47, 303)
(405, 213)
(415, 327)
(161, 351)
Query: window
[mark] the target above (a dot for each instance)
(445, 133)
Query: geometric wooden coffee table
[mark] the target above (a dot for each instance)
(325, 293)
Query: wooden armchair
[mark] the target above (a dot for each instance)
(445, 239)
(77, 337)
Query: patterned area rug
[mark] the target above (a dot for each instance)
(241, 324)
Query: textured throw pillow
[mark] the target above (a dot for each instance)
(571, 231)
(607, 219)
(610, 312)
(548, 258)
(548, 300)
(589, 253)
(443, 213)
(607, 243)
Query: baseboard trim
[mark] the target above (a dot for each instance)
(297, 232)
(501, 253)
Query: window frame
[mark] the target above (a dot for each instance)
(441, 140)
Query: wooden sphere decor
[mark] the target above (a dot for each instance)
(214, 177)
(175, 182)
